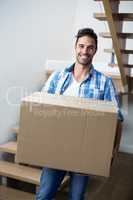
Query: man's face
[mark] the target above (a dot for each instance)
(85, 49)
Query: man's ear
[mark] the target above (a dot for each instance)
(95, 51)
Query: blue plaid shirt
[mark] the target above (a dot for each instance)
(95, 86)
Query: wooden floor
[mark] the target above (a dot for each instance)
(13, 194)
(119, 186)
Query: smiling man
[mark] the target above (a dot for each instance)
(81, 80)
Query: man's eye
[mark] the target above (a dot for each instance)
(92, 48)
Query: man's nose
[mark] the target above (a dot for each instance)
(85, 51)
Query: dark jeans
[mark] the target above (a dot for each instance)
(51, 180)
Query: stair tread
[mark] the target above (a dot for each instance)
(117, 76)
(122, 35)
(125, 51)
(7, 193)
(100, 16)
(49, 72)
(9, 147)
(119, 16)
(20, 172)
(125, 65)
(23, 173)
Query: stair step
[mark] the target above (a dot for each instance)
(23, 173)
(100, 16)
(9, 147)
(20, 172)
(7, 193)
(124, 51)
(125, 65)
(121, 35)
(116, 76)
(118, 16)
(14, 130)
(49, 72)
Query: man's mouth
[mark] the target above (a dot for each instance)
(84, 56)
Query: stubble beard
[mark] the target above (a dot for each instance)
(85, 62)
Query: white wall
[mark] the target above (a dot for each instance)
(30, 32)
(35, 31)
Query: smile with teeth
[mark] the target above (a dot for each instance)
(84, 56)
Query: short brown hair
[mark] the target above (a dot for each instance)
(86, 32)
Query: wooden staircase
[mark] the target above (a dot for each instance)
(115, 21)
(19, 172)
(9, 147)
(14, 170)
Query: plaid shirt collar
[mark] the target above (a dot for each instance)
(71, 67)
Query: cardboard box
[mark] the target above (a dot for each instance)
(69, 133)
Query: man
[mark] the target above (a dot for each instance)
(79, 79)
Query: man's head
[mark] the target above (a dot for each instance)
(85, 46)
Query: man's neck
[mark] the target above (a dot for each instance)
(80, 72)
